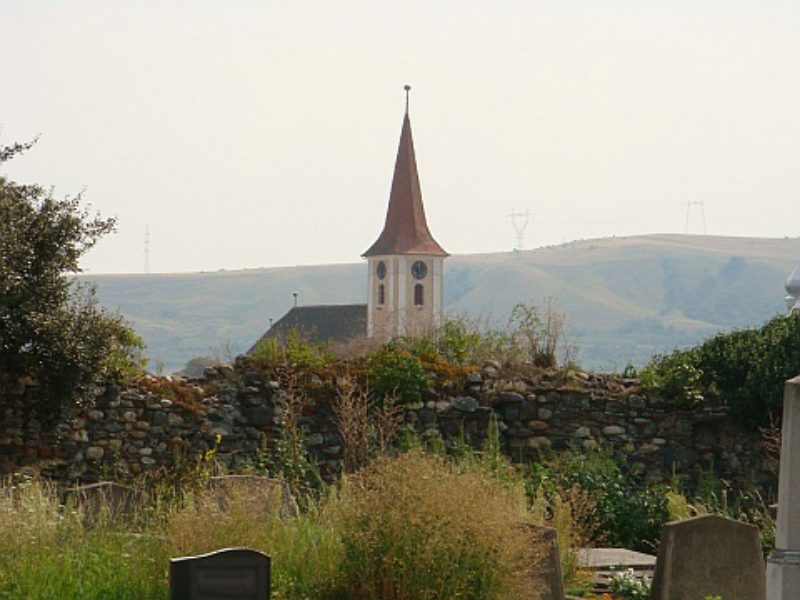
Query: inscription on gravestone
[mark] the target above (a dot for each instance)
(235, 573)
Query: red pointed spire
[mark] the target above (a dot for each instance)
(406, 230)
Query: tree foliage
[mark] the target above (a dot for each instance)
(746, 369)
(51, 328)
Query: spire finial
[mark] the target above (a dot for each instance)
(407, 88)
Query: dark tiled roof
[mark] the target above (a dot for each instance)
(406, 230)
(327, 322)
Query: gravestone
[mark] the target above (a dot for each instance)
(709, 556)
(105, 499)
(783, 565)
(257, 494)
(605, 563)
(234, 573)
(546, 580)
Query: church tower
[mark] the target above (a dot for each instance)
(406, 265)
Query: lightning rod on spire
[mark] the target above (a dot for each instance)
(407, 88)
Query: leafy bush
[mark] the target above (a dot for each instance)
(302, 354)
(296, 350)
(268, 351)
(392, 372)
(626, 513)
(457, 343)
(51, 329)
(746, 369)
(676, 377)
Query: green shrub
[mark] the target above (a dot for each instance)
(626, 512)
(395, 372)
(676, 377)
(302, 354)
(52, 329)
(746, 369)
(268, 352)
(295, 351)
(457, 343)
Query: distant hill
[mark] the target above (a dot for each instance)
(625, 298)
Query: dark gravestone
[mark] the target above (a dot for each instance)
(546, 580)
(235, 573)
(709, 556)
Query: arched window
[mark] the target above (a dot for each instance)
(381, 295)
(419, 295)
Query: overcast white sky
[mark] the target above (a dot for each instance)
(263, 133)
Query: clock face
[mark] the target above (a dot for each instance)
(419, 269)
(380, 271)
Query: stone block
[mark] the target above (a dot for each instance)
(260, 495)
(106, 499)
(258, 416)
(546, 581)
(94, 453)
(708, 556)
(582, 432)
(539, 442)
(613, 430)
(511, 397)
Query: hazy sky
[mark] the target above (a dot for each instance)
(263, 133)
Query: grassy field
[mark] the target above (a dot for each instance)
(625, 298)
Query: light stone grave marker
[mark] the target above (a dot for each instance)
(259, 494)
(105, 498)
(709, 556)
(233, 573)
(783, 566)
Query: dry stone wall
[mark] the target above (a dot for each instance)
(137, 430)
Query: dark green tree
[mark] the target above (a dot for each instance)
(51, 328)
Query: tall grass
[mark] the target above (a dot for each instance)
(418, 526)
(48, 551)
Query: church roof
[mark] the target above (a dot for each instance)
(406, 229)
(321, 323)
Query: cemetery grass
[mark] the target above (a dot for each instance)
(421, 525)
(392, 530)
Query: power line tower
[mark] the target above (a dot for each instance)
(701, 205)
(147, 249)
(519, 221)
